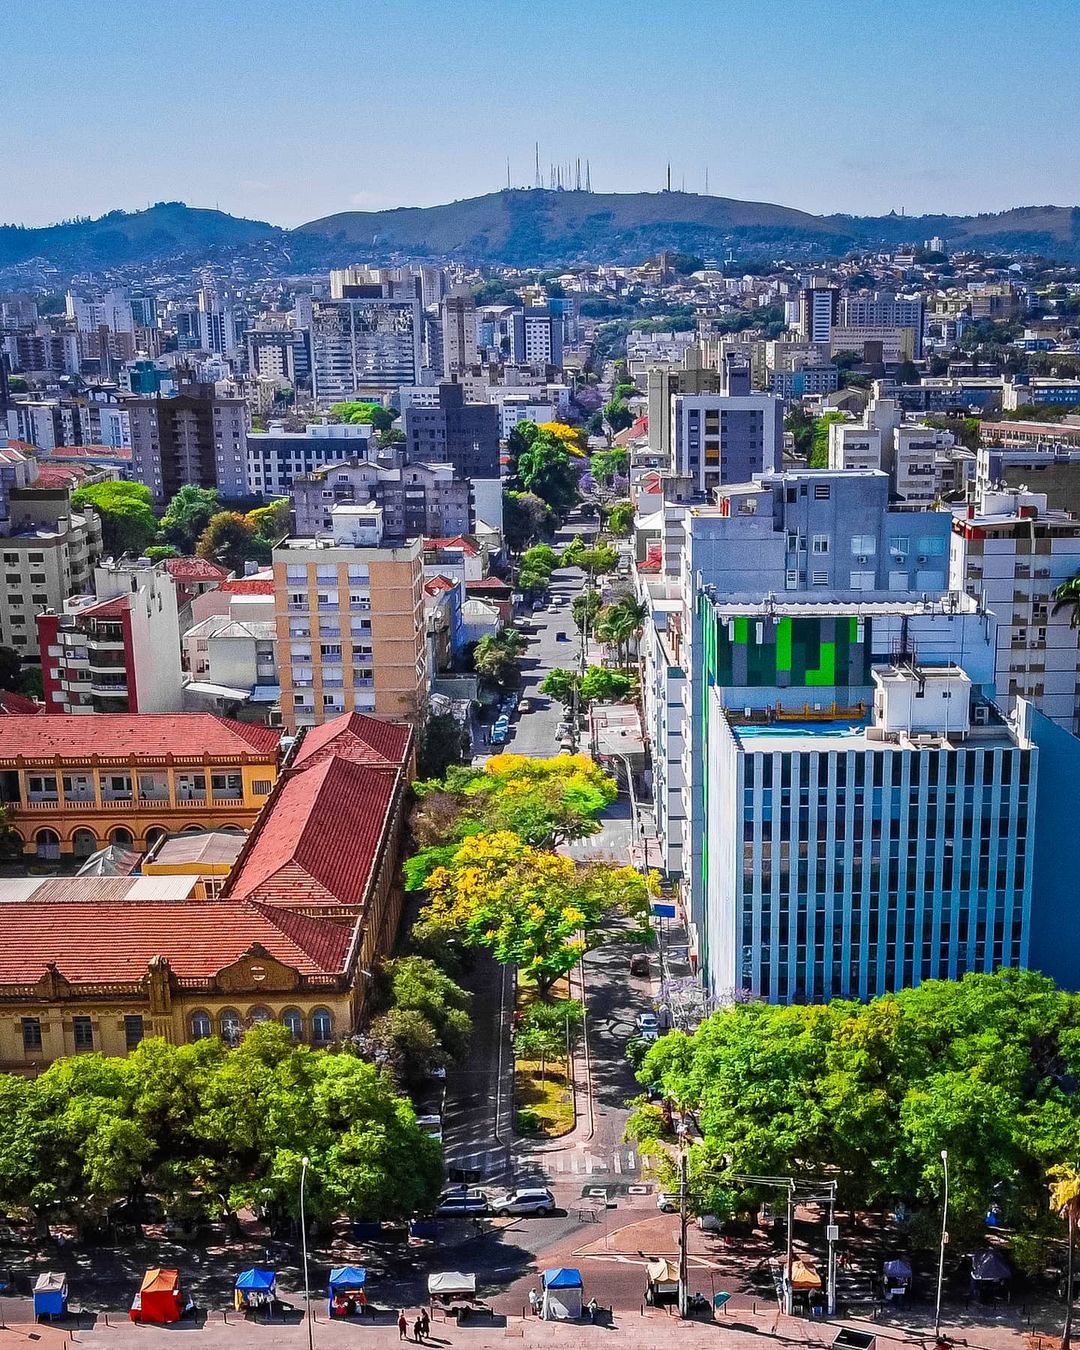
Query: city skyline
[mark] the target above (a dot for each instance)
(794, 113)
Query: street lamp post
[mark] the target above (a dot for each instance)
(303, 1247)
(944, 1243)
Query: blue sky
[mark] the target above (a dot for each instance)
(287, 110)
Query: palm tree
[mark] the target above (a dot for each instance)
(1065, 1202)
(1067, 596)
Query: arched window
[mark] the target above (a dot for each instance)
(229, 1021)
(259, 1015)
(48, 845)
(229, 829)
(322, 1026)
(153, 834)
(83, 843)
(201, 1026)
(292, 1019)
(193, 829)
(122, 838)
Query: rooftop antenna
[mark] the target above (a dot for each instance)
(577, 176)
(508, 173)
(539, 180)
(668, 178)
(588, 178)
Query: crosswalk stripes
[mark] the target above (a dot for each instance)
(620, 1163)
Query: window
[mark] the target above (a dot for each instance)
(899, 544)
(260, 1015)
(293, 1022)
(261, 786)
(863, 581)
(31, 1033)
(230, 1026)
(201, 1026)
(322, 1026)
(821, 492)
(134, 1030)
(863, 544)
(819, 578)
(820, 543)
(84, 1033)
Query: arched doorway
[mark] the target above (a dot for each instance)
(122, 838)
(47, 846)
(83, 843)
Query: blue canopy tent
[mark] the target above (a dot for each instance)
(346, 1292)
(562, 1294)
(254, 1288)
(50, 1294)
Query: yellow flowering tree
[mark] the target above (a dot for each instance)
(574, 438)
(531, 908)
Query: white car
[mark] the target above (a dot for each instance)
(648, 1026)
(667, 1202)
(525, 1200)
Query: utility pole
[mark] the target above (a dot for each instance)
(684, 1224)
(832, 1233)
(944, 1244)
(789, 1301)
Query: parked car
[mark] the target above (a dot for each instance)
(525, 1200)
(431, 1125)
(454, 1203)
(667, 1201)
(648, 1026)
(639, 963)
(560, 636)
(500, 730)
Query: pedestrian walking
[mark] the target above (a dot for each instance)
(402, 1326)
(594, 1308)
(418, 1331)
(534, 1301)
(425, 1322)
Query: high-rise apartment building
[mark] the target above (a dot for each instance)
(417, 500)
(819, 308)
(350, 622)
(118, 649)
(368, 345)
(536, 337)
(217, 323)
(881, 440)
(196, 436)
(460, 351)
(1010, 551)
(465, 435)
(111, 310)
(729, 436)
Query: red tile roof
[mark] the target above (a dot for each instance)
(86, 452)
(437, 585)
(654, 559)
(318, 841)
(248, 586)
(356, 737)
(60, 475)
(117, 940)
(466, 545)
(108, 609)
(17, 705)
(195, 569)
(131, 736)
(488, 584)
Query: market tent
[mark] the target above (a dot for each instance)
(663, 1280)
(451, 1284)
(345, 1286)
(804, 1276)
(254, 1288)
(50, 1294)
(899, 1269)
(562, 1294)
(159, 1298)
(990, 1268)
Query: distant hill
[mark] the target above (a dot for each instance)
(531, 228)
(161, 231)
(544, 228)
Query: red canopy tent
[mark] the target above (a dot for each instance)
(159, 1299)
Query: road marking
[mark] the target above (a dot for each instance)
(630, 1160)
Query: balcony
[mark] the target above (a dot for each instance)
(39, 804)
(228, 795)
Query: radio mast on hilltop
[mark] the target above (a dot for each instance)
(539, 181)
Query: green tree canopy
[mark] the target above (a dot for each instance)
(230, 540)
(562, 685)
(547, 465)
(194, 1124)
(819, 452)
(188, 514)
(128, 523)
(526, 517)
(620, 518)
(872, 1093)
